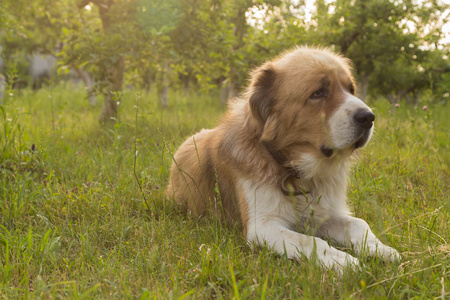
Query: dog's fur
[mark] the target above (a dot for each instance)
(299, 115)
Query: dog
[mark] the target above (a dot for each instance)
(278, 160)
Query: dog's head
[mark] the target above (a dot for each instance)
(305, 106)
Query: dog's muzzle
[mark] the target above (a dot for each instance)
(363, 119)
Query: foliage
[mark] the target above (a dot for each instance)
(386, 40)
(73, 223)
(382, 34)
(395, 45)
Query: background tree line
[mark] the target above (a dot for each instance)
(397, 46)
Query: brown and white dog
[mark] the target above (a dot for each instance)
(278, 160)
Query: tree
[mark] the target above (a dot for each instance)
(26, 28)
(376, 32)
(213, 43)
(97, 39)
(406, 78)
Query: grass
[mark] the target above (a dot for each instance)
(74, 223)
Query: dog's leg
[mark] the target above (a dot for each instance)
(268, 218)
(350, 231)
(285, 241)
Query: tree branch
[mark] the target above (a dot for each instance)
(441, 70)
(262, 48)
(348, 42)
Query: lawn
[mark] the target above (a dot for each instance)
(83, 213)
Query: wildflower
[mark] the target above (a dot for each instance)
(397, 104)
(363, 284)
(425, 107)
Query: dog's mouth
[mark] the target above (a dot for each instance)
(326, 151)
(362, 141)
(359, 143)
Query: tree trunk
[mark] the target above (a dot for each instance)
(2, 87)
(89, 84)
(392, 98)
(114, 78)
(231, 87)
(165, 85)
(223, 93)
(187, 82)
(363, 86)
(113, 93)
(239, 20)
(228, 88)
(416, 97)
(164, 100)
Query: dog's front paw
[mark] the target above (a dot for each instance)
(339, 260)
(389, 253)
(385, 252)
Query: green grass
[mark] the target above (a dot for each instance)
(74, 223)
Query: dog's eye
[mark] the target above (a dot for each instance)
(352, 89)
(319, 94)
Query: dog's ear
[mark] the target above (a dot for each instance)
(270, 129)
(261, 92)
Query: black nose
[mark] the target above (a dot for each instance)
(364, 118)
